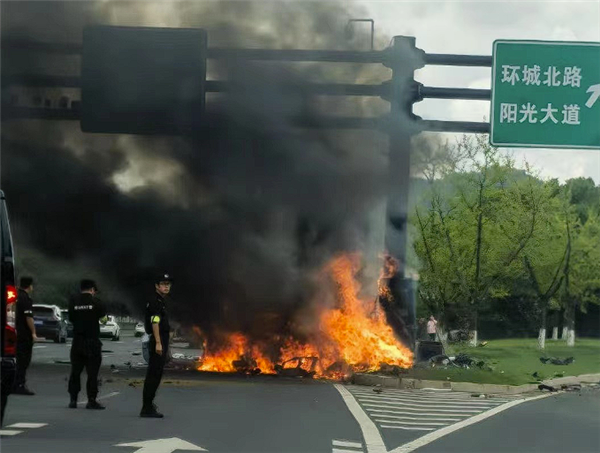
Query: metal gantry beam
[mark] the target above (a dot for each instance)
(337, 56)
(330, 89)
(384, 90)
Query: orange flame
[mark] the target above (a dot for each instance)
(351, 336)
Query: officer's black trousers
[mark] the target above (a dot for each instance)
(85, 353)
(24, 349)
(154, 372)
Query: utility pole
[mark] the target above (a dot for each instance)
(404, 60)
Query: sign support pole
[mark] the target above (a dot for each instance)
(400, 305)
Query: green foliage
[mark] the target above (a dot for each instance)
(584, 196)
(486, 231)
(585, 264)
(474, 226)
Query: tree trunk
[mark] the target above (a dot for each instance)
(542, 332)
(571, 328)
(473, 338)
(542, 338)
(565, 331)
(473, 331)
(555, 333)
(571, 337)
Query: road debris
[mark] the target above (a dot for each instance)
(556, 361)
(543, 387)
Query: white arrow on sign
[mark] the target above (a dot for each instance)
(162, 446)
(595, 90)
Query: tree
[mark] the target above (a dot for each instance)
(474, 228)
(545, 255)
(584, 196)
(582, 277)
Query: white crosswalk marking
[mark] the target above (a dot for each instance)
(421, 410)
(410, 428)
(416, 403)
(346, 446)
(346, 443)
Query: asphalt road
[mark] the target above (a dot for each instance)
(268, 414)
(127, 351)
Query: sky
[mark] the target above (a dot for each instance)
(470, 27)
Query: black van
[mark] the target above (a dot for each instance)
(8, 334)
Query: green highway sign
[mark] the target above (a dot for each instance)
(545, 94)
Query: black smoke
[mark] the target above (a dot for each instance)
(243, 214)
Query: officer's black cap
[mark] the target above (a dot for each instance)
(87, 284)
(164, 277)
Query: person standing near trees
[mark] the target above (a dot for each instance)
(432, 327)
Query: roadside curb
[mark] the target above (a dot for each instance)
(411, 383)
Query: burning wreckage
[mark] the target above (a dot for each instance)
(353, 336)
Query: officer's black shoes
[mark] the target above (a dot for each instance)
(22, 390)
(73, 404)
(150, 412)
(93, 404)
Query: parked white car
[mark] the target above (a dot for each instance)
(140, 330)
(110, 329)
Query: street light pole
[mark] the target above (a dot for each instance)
(371, 21)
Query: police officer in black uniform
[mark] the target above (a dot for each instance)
(25, 334)
(157, 326)
(85, 312)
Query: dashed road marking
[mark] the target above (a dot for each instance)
(28, 425)
(21, 427)
(9, 432)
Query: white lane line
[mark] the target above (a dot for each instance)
(109, 395)
(424, 414)
(345, 443)
(428, 438)
(404, 417)
(428, 403)
(39, 347)
(371, 435)
(27, 425)
(411, 428)
(394, 422)
(433, 408)
(9, 432)
(344, 450)
(425, 409)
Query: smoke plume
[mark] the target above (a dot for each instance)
(245, 213)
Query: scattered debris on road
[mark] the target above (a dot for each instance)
(543, 387)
